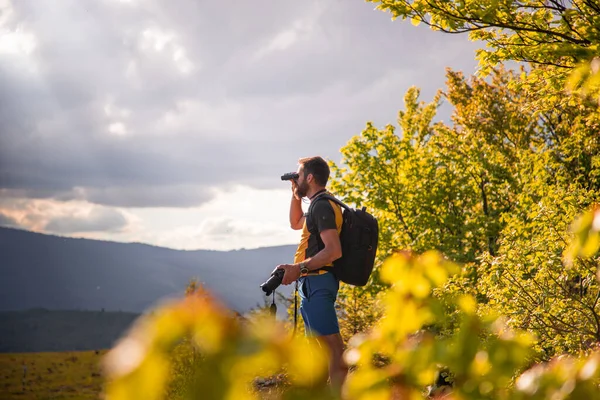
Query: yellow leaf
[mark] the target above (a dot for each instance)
(467, 303)
(420, 286)
(481, 364)
(393, 269)
(307, 362)
(437, 274)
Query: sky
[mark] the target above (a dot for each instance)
(171, 122)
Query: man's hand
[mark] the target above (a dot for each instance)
(292, 273)
(296, 213)
(295, 189)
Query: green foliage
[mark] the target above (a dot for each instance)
(528, 281)
(358, 310)
(397, 178)
(495, 192)
(557, 34)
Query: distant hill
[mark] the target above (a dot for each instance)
(41, 330)
(58, 273)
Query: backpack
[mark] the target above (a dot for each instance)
(358, 236)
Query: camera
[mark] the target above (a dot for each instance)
(273, 282)
(290, 176)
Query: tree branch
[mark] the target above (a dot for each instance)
(498, 24)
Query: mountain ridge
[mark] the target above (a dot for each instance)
(141, 243)
(58, 272)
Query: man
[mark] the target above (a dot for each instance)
(319, 247)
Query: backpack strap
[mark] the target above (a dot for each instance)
(320, 196)
(328, 197)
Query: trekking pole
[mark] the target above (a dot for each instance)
(295, 308)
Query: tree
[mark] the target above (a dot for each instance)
(528, 282)
(494, 192)
(560, 34)
(438, 187)
(392, 175)
(358, 310)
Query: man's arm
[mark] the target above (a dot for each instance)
(324, 218)
(296, 213)
(331, 252)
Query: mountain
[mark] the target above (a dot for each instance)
(59, 273)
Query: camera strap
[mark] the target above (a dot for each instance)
(273, 306)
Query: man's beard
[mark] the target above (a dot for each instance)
(303, 189)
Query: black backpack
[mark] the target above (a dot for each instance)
(359, 236)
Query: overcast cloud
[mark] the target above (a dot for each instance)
(151, 104)
(97, 220)
(5, 220)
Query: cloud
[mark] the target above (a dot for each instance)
(140, 104)
(224, 227)
(6, 220)
(234, 217)
(98, 219)
(301, 29)
(143, 95)
(134, 195)
(225, 233)
(148, 196)
(64, 217)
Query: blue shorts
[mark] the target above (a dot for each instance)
(318, 294)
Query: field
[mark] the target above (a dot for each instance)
(56, 375)
(64, 375)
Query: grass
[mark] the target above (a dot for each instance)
(65, 375)
(52, 375)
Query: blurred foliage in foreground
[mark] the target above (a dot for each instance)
(398, 358)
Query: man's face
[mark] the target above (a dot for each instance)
(302, 182)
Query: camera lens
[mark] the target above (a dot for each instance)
(273, 282)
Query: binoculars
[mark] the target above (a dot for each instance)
(290, 176)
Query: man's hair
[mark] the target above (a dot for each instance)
(316, 166)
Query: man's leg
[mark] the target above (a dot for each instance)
(318, 294)
(337, 367)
